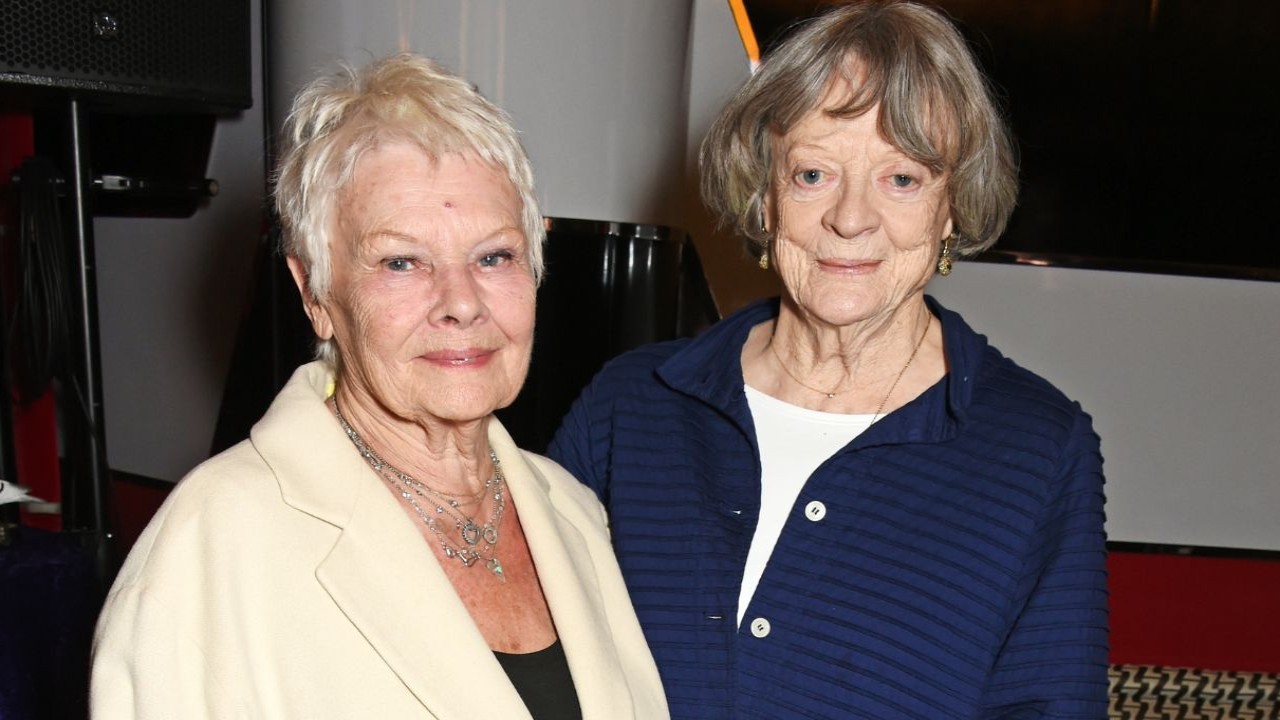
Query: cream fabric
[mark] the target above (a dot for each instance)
(282, 580)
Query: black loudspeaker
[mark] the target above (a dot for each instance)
(195, 52)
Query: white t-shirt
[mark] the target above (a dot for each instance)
(794, 441)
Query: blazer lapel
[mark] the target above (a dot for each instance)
(391, 587)
(380, 572)
(563, 560)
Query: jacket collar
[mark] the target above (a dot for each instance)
(709, 368)
(385, 578)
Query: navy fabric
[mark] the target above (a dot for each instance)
(49, 598)
(958, 572)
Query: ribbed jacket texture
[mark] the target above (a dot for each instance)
(958, 570)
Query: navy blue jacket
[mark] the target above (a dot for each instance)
(958, 570)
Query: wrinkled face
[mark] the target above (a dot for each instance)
(432, 297)
(857, 224)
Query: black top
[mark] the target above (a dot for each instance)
(542, 678)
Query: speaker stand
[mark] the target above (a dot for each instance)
(84, 501)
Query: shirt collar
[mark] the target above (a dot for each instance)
(709, 368)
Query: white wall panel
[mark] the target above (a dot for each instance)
(596, 87)
(1179, 375)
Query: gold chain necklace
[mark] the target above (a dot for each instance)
(834, 393)
(479, 542)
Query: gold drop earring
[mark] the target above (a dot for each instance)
(944, 259)
(764, 256)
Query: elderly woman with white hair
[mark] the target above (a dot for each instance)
(379, 547)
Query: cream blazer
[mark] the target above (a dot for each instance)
(281, 579)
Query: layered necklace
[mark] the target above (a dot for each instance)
(439, 510)
(831, 394)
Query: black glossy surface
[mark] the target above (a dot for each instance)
(609, 287)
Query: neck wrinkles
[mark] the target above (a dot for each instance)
(858, 355)
(452, 457)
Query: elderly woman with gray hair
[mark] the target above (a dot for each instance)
(844, 502)
(379, 547)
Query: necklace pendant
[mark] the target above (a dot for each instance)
(495, 567)
(470, 533)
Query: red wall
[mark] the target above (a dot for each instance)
(1199, 612)
(35, 442)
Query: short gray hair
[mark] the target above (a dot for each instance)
(935, 105)
(338, 117)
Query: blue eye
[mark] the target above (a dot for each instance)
(810, 177)
(901, 181)
(495, 259)
(399, 264)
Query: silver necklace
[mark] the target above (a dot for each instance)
(834, 393)
(479, 542)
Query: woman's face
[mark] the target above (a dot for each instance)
(857, 223)
(432, 298)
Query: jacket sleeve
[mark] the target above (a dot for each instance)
(145, 667)
(1054, 661)
(581, 443)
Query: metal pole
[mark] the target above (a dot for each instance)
(89, 371)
